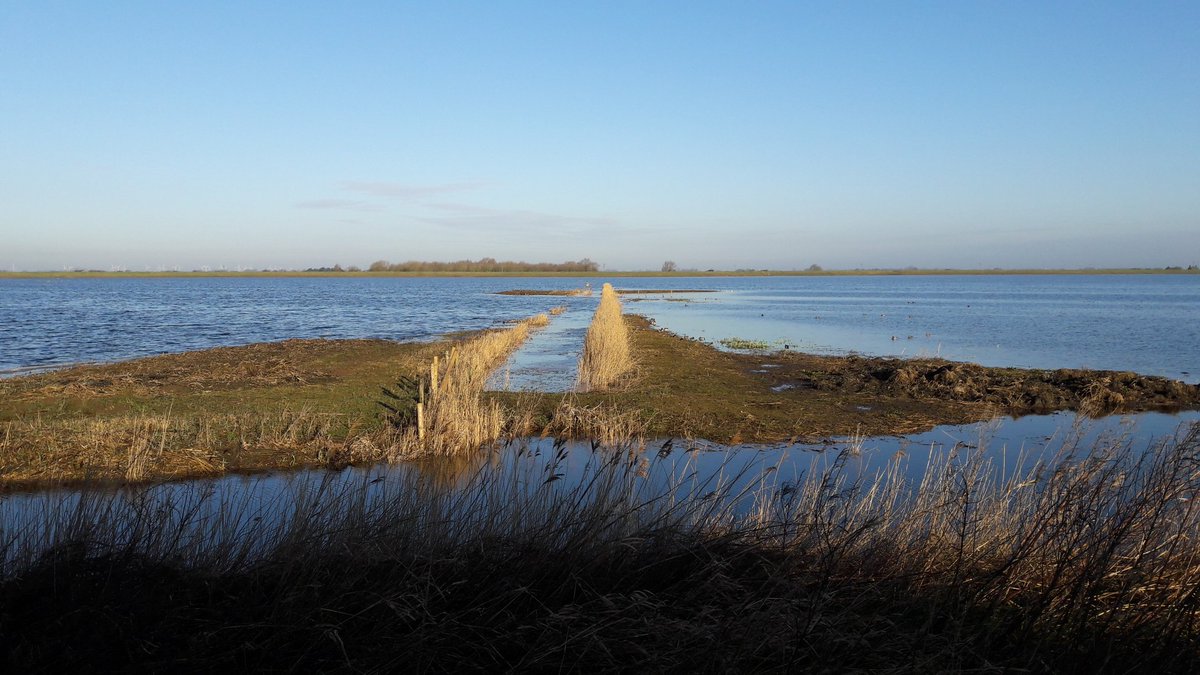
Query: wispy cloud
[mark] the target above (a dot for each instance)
(423, 206)
(406, 190)
(339, 204)
(467, 217)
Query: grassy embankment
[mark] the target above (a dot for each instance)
(1087, 565)
(265, 406)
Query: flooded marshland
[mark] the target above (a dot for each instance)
(1148, 324)
(365, 547)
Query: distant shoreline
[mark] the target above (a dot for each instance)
(681, 274)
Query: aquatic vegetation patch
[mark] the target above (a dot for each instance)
(744, 344)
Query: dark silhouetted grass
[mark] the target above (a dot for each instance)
(1085, 563)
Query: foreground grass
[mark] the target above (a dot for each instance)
(1089, 563)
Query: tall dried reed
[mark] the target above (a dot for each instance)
(140, 446)
(454, 418)
(1087, 561)
(606, 352)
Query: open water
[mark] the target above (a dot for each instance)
(1148, 324)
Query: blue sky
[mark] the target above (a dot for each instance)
(727, 135)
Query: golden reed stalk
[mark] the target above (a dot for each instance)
(606, 353)
(454, 418)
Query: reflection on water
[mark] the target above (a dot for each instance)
(212, 511)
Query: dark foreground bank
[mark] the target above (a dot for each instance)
(1086, 564)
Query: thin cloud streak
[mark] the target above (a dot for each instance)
(407, 191)
(516, 220)
(338, 204)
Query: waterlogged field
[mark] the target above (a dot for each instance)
(1148, 324)
(465, 526)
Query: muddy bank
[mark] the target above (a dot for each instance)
(1013, 391)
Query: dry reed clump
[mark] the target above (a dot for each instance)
(1100, 399)
(606, 351)
(452, 415)
(1084, 562)
(601, 423)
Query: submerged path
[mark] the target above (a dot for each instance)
(549, 359)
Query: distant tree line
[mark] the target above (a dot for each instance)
(484, 265)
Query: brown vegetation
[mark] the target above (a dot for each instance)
(1012, 391)
(453, 416)
(274, 405)
(268, 406)
(606, 356)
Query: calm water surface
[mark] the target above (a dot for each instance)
(1148, 324)
(243, 505)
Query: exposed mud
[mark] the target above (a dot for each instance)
(1015, 391)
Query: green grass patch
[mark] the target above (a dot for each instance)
(744, 344)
